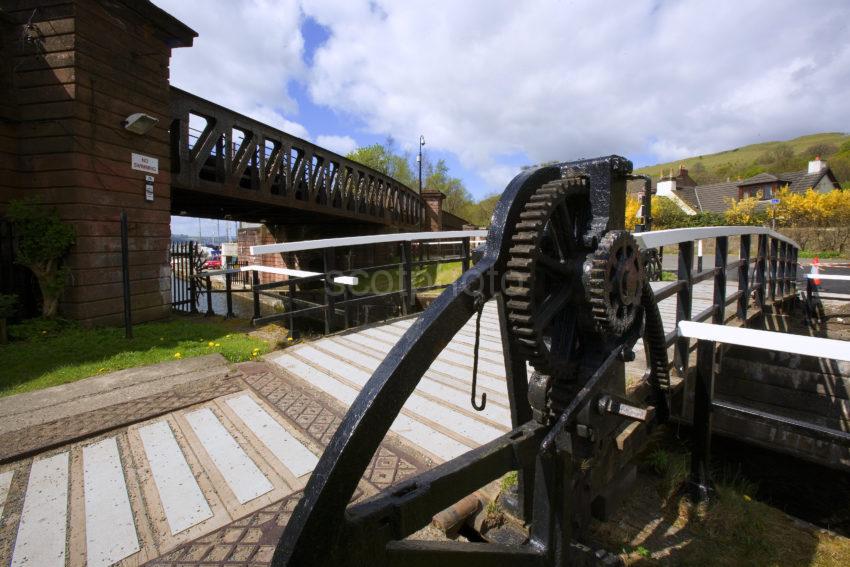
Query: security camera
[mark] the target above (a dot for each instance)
(140, 123)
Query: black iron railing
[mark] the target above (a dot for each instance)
(770, 275)
(346, 293)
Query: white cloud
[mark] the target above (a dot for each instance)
(339, 144)
(558, 81)
(547, 79)
(244, 57)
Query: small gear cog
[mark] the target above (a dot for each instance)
(614, 277)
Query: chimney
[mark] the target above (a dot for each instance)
(816, 165)
(666, 187)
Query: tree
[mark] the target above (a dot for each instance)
(822, 149)
(458, 199)
(744, 212)
(667, 214)
(383, 158)
(42, 241)
(632, 208)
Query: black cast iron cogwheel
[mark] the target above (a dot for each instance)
(543, 271)
(613, 279)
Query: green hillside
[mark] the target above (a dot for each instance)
(774, 157)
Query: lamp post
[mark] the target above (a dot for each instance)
(419, 159)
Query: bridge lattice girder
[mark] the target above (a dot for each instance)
(271, 167)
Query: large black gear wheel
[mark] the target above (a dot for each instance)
(614, 278)
(543, 276)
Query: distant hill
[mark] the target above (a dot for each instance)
(774, 157)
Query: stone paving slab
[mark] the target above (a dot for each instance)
(250, 541)
(30, 440)
(67, 400)
(189, 511)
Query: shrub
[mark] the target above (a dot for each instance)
(43, 239)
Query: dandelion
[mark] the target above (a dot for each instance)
(178, 355)
(747, 498)
(289, 339)
(218, 344)
(210, 344)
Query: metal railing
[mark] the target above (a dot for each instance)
(770, 274)
(238, 157)
(705, 403)
(334, 294)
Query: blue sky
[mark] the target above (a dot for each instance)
(497, 84)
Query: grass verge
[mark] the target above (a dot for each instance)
(49, 354)
(733, 530)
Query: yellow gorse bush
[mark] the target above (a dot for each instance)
(809, 209)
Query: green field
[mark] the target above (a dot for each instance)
(745, 156)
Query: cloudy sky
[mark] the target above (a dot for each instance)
(496, 84)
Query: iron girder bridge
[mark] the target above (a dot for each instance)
(223, 161)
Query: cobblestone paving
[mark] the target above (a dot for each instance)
(250, 541)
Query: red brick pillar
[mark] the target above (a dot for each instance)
(88, 67)
(433, 200)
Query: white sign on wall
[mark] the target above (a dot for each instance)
(147, 164)
(148, 188)
(228, 249)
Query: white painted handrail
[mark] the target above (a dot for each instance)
(302, 245)
(656, 238)
(828, 277)
(767, 340)
(344, 280)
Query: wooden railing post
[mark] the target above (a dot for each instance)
(290, 305)
(328, 264)
(761, 269)
(255, 281)
(406, 268)
(774, 268)
(703, 399)
(228, 286)
(744, 278)
(721, 256)
(794, 268)
(782, 275)
(684, 302)
(464, 252)
(210, 311)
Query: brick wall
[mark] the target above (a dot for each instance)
(94, 65)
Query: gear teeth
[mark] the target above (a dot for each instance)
(607, 318)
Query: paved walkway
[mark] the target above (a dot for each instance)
(208, 470)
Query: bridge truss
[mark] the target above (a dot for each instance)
(219, 152)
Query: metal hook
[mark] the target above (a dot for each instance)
(479, 304)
